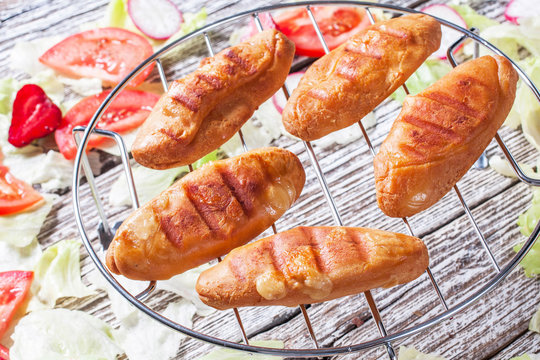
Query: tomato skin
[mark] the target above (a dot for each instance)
(14, 287)
(337, 25)
(128, 111)
(109, 54)
(15, 195)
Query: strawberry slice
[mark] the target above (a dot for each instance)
(34, 116)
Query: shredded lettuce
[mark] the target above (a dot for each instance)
(82, 86)
(57, 274)
(61, 334)
(472, 18)
(22, 228)
(527, 222)
(527, 357)
(116, 14)
(184, 285)
(526, 105)
(531, 261)
(149, 182)
(143, 338)
(228, 354)
(192, 22)
(502, 166)
(25, 54)
(17, 257)
(410, 353)
(534, 324)
(429, 72)
(8, 89)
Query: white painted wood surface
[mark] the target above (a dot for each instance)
(495, 327)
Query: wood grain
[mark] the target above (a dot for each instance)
(495, 327)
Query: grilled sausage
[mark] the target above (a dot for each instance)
(343, 86)
(220, 206)
(203, 110)
(312, 264)
(440, 133)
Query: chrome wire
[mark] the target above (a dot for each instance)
(80, 163)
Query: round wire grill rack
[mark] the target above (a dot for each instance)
(106, 232)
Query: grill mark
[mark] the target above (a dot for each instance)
(411, 149)
(358, 246)
(171, 135)
(213, 81)
(393, 32)
(455, 104)
(186, 101)
(205, 219)
(237, 60)
(236, 266)
(431, 127)
(312, 245)
(246, 209)
(272, 254)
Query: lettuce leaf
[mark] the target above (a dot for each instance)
(429, 72)
(192, 22)
(184, 285)
(60, 334)
(83, 86)
(57, 274)
(143, 338)
(19, 258)
(25, 54)
(531, 261)
(149, 182)
(228, 354)
(502, 166)
(116, 14)
(410, 353)
(8, 89)
(526, 105)
(527, 222)
(21, 229)
(527, 357)
(472, 18)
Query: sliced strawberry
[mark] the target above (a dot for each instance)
(34, 116)
(4, 353)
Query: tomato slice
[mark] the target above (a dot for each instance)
(128, 111)
(108, 54)
(337, 24)
(14, 286)
(15, 195)
(4, 353)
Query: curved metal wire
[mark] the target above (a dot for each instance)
(291, 352)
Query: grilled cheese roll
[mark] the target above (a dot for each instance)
(203, 110)
(312, 264)
(222, 205)
(343, 86)
(440, 133)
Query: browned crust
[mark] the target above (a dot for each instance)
(440, 133)
(207, 213)
(203, 110)
(343, 86)
(350, 260)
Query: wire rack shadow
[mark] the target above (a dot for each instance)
(106, 231)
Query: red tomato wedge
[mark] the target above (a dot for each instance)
(14, 286)
(108, 54)
(337, 24)
(128, 111)
(15, 195)
(4, 353)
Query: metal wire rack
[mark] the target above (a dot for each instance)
(384, 339)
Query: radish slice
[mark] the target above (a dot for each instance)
(449, 36)
(521, 8)
(157, 19)
(292, 81)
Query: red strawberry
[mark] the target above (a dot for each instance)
(34, 116)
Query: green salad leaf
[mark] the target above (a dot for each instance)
(192, 22)
(534, 324)
(228, 354)
(410, 353)
(57, 274)
(527, 357)
(17, 257)
(429, 72)
(61, 334)
(8, 89)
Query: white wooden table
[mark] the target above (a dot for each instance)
(495, 327)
